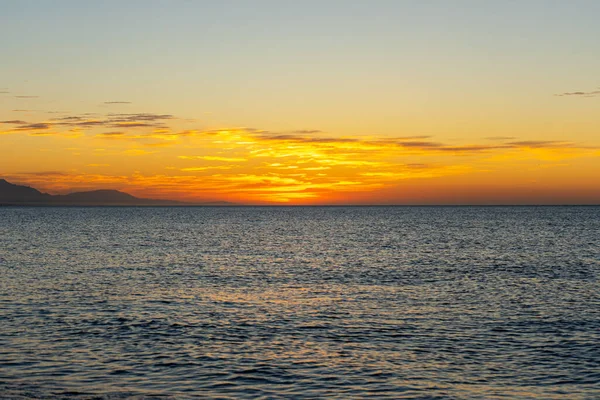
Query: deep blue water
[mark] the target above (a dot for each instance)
(305, 302)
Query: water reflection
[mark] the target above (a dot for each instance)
(300, 302)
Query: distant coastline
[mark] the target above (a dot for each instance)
(20, 195)
(12, 195)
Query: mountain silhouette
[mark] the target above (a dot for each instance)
(98, 196)
(11, 194)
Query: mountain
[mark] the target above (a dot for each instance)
(11, 194)
(106, 197)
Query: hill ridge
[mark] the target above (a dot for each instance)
(13, 194)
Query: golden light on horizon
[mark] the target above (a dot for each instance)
(158, 155)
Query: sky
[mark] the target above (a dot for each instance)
(304, 102)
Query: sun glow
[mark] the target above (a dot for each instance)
(173, 160)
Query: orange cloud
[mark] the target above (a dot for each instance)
(258, 166)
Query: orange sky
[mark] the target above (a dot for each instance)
(146, 155)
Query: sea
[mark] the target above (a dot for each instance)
(300, 302)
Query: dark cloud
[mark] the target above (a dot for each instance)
(239, 129)
(471, 148)
(407, 142)
(539, 143)
(132, 125)
(479, 148)
(139, 120)
(295, 138)
(71, 118)
(139, 117)
(411, 137)
(121, 122)
(307, 132)
(79, 122)
(117, 102)
(421, 145)
(581, 94)
(27, 97)
(90, 120)
(18, 110)
(34, 127)
(89, 123)
(4, 92)
(330, 140)
(14, 121)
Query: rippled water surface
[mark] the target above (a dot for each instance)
(385, 302)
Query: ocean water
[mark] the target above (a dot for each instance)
(300, 302)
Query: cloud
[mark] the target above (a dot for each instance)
(420, 145)
(34, 127)
(70, 118)
(42, 129)
(537, 144)
(89, 123)
(411, 137)
(14, 121)
(299, 145)
(117, 102)
(122, 121)
(27, 97)
(470, 148)
(80, 121)
(410, 143)
(147, 126)
(280, 166)
(593, 93)
(132, 125)
(304, 139)
(113, 118)
(139, 117)
(307, 131)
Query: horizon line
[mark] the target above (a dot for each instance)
(293, 205)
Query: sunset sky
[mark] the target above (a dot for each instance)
(304, 102)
